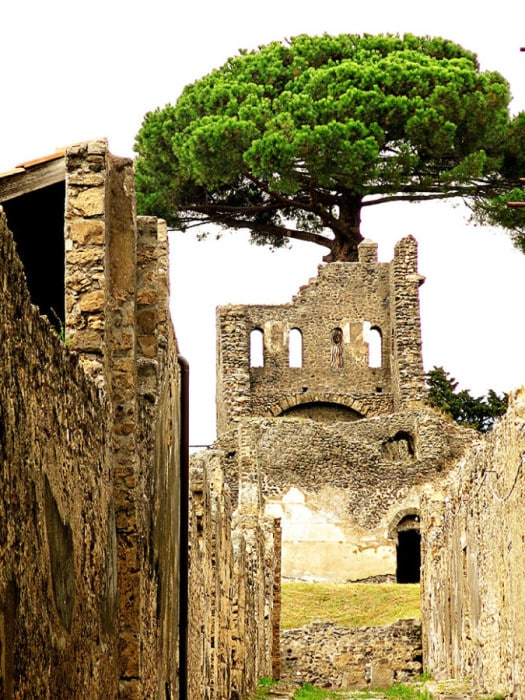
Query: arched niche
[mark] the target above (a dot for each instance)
(399, 448)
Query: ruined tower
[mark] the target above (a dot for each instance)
(357, 339)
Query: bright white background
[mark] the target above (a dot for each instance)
(72, 71)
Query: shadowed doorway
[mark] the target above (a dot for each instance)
(408, 550)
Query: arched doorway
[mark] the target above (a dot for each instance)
(408, 550)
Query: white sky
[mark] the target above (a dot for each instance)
(72, 71)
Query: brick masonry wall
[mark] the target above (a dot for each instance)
(473, 562)
(367, 658)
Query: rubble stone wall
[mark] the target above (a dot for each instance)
(90, 442)
(340, 489)
(335, 315)
(330, 656)
(90, 446)
(473, 562)
(325, 422)
(233, 583)
(58, 557)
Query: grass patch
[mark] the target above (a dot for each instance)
(263, 688)
(348, 604)
(398, 691)
(310, 692)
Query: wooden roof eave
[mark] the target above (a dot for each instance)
(32, 176)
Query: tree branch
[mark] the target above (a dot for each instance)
(264, 229)
(474, 191)
(312, 203)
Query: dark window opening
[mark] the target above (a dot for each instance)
(399, 448)
(36, 220)
(408, 556)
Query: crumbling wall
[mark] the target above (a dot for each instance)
(58, 571)
(473, 562)
(233, 583)
(117, 321)
(99, 447)
(158, 495)
(335, 315)
(91, 441)
(329, 415)
(330, 656)
(341, 488)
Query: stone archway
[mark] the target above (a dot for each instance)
(298, 405)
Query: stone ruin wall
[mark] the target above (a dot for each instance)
(117, 319)
(341, 489)
(58, 571)
(473, 585)
(90, 456)
(234, 589)
(307, 433)
(366, 658)
(351, 297)
(90, 431)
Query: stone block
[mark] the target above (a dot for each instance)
(92, 301)
(147, 297)
(88, 202)
(147, 345)
(381, 676)
(87, 341)
(87, 232)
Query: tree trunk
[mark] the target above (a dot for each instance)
(347, 230)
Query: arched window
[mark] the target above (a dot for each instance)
(256, 348)
(375, 347)
(295, 348)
